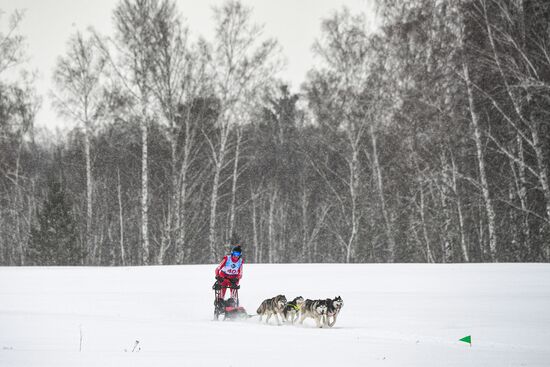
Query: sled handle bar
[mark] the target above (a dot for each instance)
(218, 286)
(231, 287)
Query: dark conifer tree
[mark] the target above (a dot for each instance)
(53, 241)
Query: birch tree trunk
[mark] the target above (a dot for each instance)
(185, 188)
(311, 244)
(120, 219)
(490, 212)
(429, 255)
(144, 190)
(353, 196)
(77, 77)
(522, 191)
(463, 245)
(447, 247)
(171, 222)
(2, 241)
(181, 208)
(306, 250)
(380, 185)
(241, 64)
(530, 122)
(253, 197)
(234, 183)
(89, 187)
(262, 245)
(219, 159)
(542, 167)
(543, 179)
(271, 227)
(18, 201)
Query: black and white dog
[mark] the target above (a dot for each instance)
(272, 306)
(292, 309)
(316, 309)
(333, 309)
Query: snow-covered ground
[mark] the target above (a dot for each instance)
(393, 315)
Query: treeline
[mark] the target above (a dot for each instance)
(427, 140)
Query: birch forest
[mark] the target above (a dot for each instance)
(426, 139)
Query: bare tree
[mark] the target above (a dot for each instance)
(523, 68)
(232, 209)
(77, 77)
(18, 107)
(131, 56)
(345, 107)
(241, 66)
(120, 220)
(11, 43)
(477, 134)
(178, 82)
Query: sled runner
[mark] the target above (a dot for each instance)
(229, 308)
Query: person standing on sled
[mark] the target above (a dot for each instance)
(230, 271)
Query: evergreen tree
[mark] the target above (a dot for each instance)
(54, 240)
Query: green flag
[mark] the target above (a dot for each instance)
(467, 339)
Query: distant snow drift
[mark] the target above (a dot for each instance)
(394, 315)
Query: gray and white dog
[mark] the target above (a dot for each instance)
(333, 309)
(272, 306)
(316, 309)
(292, 309)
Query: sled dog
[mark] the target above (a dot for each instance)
(272, 306)
(316, 309)
(333, 309)
(292, 309)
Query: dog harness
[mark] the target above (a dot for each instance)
(294, 307)
(232, 268)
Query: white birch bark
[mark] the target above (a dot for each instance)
(463, 246)
(253, 197)
(353, 188)
(241, 65)
(144, 190)
(234, 182)
(522, 191)
(447, 246)
(120, 220)
(271, 227)
(89, 188)
(380, 185)
(306, 245)
(219, 160)
(489, 209)
(429, 255)
(543, 178)
(18, 201)
(533, 125)
(181, 208)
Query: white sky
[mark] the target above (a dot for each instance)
(48, 24)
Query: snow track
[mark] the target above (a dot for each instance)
(393, 315)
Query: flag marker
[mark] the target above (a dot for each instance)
(467, 339)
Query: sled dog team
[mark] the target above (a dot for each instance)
(323, 311)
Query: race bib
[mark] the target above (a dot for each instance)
(232, 268)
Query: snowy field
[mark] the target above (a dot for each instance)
(393, 315)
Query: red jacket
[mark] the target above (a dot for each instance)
(219, 271)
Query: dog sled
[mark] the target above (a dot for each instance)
(229, 308)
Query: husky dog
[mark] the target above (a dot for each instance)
(317, 310)
(292, 309)
(333, 309)
(272, 306)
